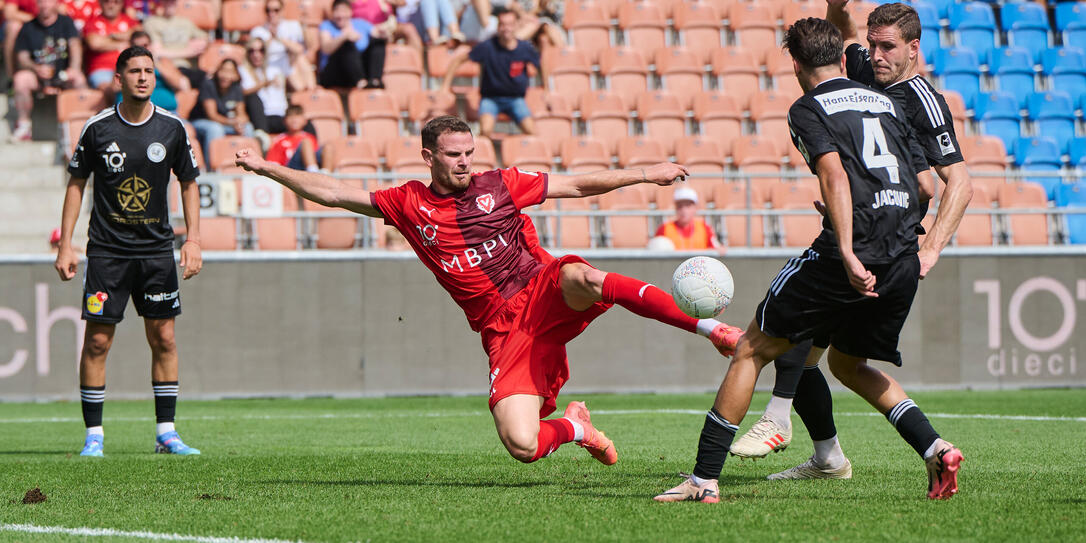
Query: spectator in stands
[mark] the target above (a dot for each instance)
(141, 9)
(265, 88)
(436, 19)
(286, 47)
(344, 40)
(382, 14)
(542, 23)
(48, 57)
(81, 11)
(16, 12)
(177, 39)
(504, 62)
(168, 78)
(106, 36)
(479, 21)
(296, 148)
(220, 108)
(688, 231)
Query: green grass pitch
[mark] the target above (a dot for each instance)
(410, 469)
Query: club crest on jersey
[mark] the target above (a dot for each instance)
(114, 158)
(156, 152)
(485, 203)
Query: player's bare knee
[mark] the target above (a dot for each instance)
(96, 345)
(521, 444)
(162, 340)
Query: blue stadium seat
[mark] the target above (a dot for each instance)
(929, 43)
(996, 105)
(1032, 39)
(1065, 68)
(929, 15)
(960, 71)
(1012, 70)
(1070, 15)
(1075, 37)
(942, 7)
(973, 25)
(1073, 195)
(1039, 154)
(1026, 24)
(1053, 115)
(1076, 149)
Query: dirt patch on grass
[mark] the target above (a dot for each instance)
(206, 496)
(34, 495)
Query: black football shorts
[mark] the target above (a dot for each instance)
(151, 282)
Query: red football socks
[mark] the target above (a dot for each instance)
(552, 434)
(646, 300)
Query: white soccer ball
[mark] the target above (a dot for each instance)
(702, 287)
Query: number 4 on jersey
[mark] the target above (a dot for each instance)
(875, 152)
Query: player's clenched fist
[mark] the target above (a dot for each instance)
(249, 159)
(67, 263)
(665, 173)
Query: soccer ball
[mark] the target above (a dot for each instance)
(702, 287)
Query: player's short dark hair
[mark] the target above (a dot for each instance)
(344, 2)
(294, 109)
(814, 42)
(131, 53)
(437, 126)
(903, 16)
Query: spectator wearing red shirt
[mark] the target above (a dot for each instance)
(295, 148)
(16, 12)
(81, 11)
(688, 231)
(106, 36)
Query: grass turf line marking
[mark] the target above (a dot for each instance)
(979, 416)
(109, 532)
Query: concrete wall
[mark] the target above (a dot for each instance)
(374, 324)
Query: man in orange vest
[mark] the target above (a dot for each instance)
(688, 231)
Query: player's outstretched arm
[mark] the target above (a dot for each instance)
(67, 261)
(833, 180)
(956, 197)
(320, 188)
(590, 184)
(837, 14)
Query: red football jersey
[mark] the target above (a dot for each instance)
(284, 146)
(100, 25)
(477, 243)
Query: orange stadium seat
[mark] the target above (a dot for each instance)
(375, 114)
(794, 11)
(719, 117)
(292, 10)
(484, 158)
(528, 153)
(662, 116)
(357, 151)
(985, 155)
(242, 15)
(438, 58)
(1023, 228)
(584, 154)
(553, 116)
(403, 72)
(626, 231)
(698, 24)
(681, 73)
(314, 12)
(637, 151)
(220, 154)
(758, 155)
(754, 26)
(643, 23)
(572, 231)
(605, 117)
(626, 73)
(218, 233)
(701, 155)
(324, 109)
(796, 230)
(569, 71)
(79, 104)
(424, 105)
(769, 111)
(200, 12)
(278, 234)
(186, 100)
(860, 10)
(732, 196)
(589, 27)
(976, 228)
(778, 66)
(404, 155)
(737, 72)
(333, 232)
(215, 53)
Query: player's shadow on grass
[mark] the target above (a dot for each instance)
(67, 451)
(411, 482)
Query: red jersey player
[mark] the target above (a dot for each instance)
(468, 229)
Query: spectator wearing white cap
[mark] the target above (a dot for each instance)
(688, 231)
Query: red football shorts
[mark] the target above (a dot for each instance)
(526, 340)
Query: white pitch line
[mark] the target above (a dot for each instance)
(109, 532)
(451, 414)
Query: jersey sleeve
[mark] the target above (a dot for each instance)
(526, 188)
(858, 64)
(390, 202)
(934, 126)
(184, 164)
(476, 54)
(916, 150)
(79, 167)
(809, 134)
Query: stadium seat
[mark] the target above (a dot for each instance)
(589, 27)
(698, 25)
(1039, 154)
(569, 231)
(219, 233)
(221, 151)
(553, 116)
(975, 229)
(280, 233)
(200, 12)
(701, 155)
(794, 11)
(796, 230)
(485, 158)
(437, 63)
(334, 232)
(680, 72)
(324, 109)
(1024, 228)
(242, 15)
(1076, 150)
(662, 117)
(1053, 115)
(1073, 196)
(1070, 15)
(733, 196)
(998, 115)
(403, 155)
(638, 151)
(528, 153)
(186, 100)
(314, 12)
(983, 151)
(769, 111)
(719, 117)
(1065, 69)
(569, 71)
(758, 155)
(1026, 25)
(973, 25)
(582, 154)
(1075, 37)
(644, 26)
(605, 117)
(929, 16)
(215, 53)
(353, 151)
(403, 73)
(956, 104)
(625, 231)
(423, 105)
(1012, 70)
(754, 27)
(375, 115)
(626, 73)
(79, 104)
(960, 71)
(737, 72)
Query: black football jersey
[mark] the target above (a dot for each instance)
(925, 108)
(865, 127)
(131, 164)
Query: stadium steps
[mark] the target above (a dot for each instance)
(32, 198)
